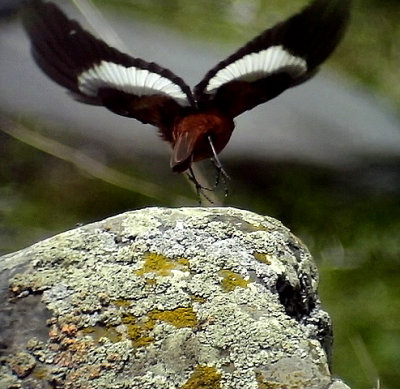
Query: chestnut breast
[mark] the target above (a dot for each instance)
(190, 138)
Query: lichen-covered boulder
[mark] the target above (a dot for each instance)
(186, 298)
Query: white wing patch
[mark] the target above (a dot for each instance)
(254, 66)
(140, 82)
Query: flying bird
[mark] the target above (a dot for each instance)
(197, 124)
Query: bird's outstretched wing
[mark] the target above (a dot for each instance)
(279, 58)
(96, 73)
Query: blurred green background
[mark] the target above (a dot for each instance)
(349, 218)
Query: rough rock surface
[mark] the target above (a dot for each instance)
(186, 298)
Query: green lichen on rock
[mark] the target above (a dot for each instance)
(204, 377)
(231, 280)
(142, 299)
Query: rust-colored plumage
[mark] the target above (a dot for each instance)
(190, 137)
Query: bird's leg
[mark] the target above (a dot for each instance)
(221, 173)
(199, 188)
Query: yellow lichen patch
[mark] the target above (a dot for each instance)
(259, 227)
(143, 341)
(122, 303)
(264, 258)
(98, 332)
(184, 262)
(197, 299)
(263, 383)
(40, 373)
(231, 280)
(204, 377)
(179, 317)
(138, 330)
(160, 265)
(156, 263)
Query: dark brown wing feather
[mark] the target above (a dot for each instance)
(64, 51)
(309, 36)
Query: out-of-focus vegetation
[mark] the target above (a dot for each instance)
(349, 219)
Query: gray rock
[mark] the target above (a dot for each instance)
(165, 298)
